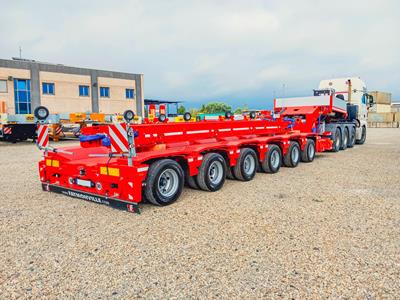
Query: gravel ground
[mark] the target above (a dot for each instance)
(326, 229)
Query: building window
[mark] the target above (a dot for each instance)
(3, 86)
(22, 96)
(84, 91)
(48, 88)
(130, 93)
(104, 92)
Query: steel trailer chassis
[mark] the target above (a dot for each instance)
(92, 173)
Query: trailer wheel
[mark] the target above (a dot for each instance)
(246, 165)
(190, 180)
(363, 136)
(308, 154)
(345, 139)
(212, 172)
(292, 157)
(273, 159)
(337, 139)
(352, 138)
(164, 182)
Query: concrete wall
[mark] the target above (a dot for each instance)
(67, 81)
(8, 97)
(66, 93)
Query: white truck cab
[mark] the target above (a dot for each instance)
(354, 91)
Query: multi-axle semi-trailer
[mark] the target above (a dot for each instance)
(123, 164)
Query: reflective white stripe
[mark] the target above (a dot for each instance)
(143, 169)
(147, 135)
(224, 129)
(197, 131)
(230, 152)
(116, 140)
(190, 159)
(261, 147)
(260, 127)
(269, 127)
(241, 128)
(122, 130)
(237, 151)
(130, 184)
(155, 134)
(173, 133)
(130, 197)
(200, 158)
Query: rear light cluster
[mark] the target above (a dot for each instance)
(52, 163)
(109, 171)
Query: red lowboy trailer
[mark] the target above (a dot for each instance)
(121, 165)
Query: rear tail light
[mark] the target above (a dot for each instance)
(52, 163)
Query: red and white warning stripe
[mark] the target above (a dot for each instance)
(58, 130)
(7, 130)
(43, 136)
(118, 138)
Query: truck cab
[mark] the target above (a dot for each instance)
(354, 91)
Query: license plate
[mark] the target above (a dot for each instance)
(86, 183)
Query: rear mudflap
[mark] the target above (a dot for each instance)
(113, 202)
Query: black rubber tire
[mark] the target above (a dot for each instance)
(337, 140)
(162, 118)
(239, 169)
(352, 137)
(346, 138)
(363, 136)
(187, 116)
(151, 190)
(308, 154)
(267, 165)
(190, 180)
(288, 160)
(203, 178)
(44, 113)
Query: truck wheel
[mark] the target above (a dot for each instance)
(337, 139)
(246, 165)
(190, 180)
(292, 157)
(352, 138)
(212, 172)
(272, 160)
(308, 154)
(363, 136)
(345, 139)
(164, 182)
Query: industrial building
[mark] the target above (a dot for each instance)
(26, 84)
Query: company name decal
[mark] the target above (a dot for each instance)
(85, 197)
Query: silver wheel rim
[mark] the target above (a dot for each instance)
(345, 138)
(337, 143)
(249, 165)
(295, 154)
(275, 159)
(311, 151)
(216, 172)
(168, 183)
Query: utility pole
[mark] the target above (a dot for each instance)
(20, 52)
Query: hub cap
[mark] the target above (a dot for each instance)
(249, 165)
(216, 171)
(311, 151)
(168, 183)
(295, 154)
(275, 159)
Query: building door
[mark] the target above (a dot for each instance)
(22, 96)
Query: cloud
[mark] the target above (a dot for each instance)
(238, 51)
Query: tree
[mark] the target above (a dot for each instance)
(238, 111)
(181, 110)
(215, 107)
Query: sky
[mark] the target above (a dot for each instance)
(239, 52)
